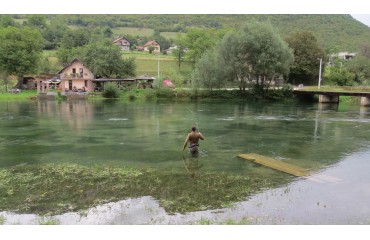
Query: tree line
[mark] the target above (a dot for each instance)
(255, 53)
(336, 32)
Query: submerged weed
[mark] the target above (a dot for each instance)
(2, 220)
(204, 221)
(48, 221)
(244, 221)
(55, 189)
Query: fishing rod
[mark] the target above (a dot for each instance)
(196, 122)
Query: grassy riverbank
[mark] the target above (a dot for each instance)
(168, 94)
(55, 189)
(23, 95)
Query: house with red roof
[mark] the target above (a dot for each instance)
(123, 43)
(151, 44)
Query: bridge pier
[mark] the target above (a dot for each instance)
(328, 98)
(365, 101)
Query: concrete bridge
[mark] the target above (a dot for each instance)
(333, 96)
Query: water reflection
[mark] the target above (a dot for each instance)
(75, 114)
(192, 164)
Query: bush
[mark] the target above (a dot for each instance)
(166, 93)
(284, 93)
(150, 94)
(340, 77)
(110, 91)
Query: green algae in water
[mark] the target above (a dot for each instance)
(54, 189)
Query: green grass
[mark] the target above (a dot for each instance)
(23, 95)
(143, 32)
(150, 67)
(49, 53)
(146, 55)
(20, 20)
(172, 35)
(123, 31)
(148, 64)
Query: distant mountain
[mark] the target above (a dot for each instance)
(337, 32)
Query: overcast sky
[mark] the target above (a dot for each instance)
(186, 7)
(364, 18)
(360, 7)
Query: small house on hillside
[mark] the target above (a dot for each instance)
(123, 43)
(346, 55)
(76, 77)
(151, 44)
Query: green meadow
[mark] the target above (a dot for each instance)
(168, 66)
(146, 64)
(144, 32)
(123, 31)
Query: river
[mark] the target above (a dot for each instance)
(331, 140)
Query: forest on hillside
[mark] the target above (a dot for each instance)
(334, 32)
(202, 42)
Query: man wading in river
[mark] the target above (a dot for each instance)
(193, 139)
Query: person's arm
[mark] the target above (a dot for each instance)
(186, 142)
(201, 136)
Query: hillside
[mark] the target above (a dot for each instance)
(336, 32)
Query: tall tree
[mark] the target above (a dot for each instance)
(209, 71)
(36, 21)
(107, 32)
(179, 54)
(306, 54)
(255, 54)
(20, 51)
(360, 67)
(54, 33)
(268, 56)
(198, 41)
(6, 21)
(76, 38)
(105, 59)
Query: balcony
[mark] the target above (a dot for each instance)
(73, 76)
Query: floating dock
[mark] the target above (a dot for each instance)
(275, 164)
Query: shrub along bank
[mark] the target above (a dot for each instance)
(281, 94)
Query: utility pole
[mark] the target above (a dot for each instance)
(320, 72)
(158, 65)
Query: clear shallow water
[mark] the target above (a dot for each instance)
(332, 141)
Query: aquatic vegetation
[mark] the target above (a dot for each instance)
(2, 220)
(48, 221)
(54, 189)
(204, 221)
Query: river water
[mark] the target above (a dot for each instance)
(331, 140)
